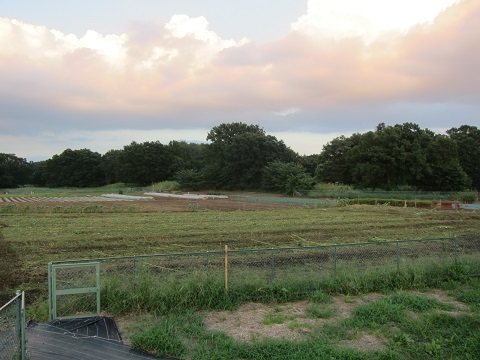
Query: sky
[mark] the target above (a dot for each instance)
(100, 74)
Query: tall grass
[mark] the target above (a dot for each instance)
(153, 294)
(411, 326)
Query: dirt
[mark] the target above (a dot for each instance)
(150, 205)
(249, 322)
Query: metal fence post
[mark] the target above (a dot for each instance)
(23, 325)
(273, 267)
(18, 319)
(398, 257)
(335, 260)
(207, 266)
(455, 249)
(226, 268)
(134, 274)
(50, 292)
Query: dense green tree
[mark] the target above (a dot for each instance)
(390, 157)
(14, 171)
(333, 165)
(467, 139)
(190, 179)
(145, 163)
(310, 163)
(111, 165)
(186, 155)
(287, 177)
(76, 168)
(249, 153)
(443, 171)
(38, 173)
(238, 153)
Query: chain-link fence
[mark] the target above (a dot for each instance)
(12, 328)
(169, 280)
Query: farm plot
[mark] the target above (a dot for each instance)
(30, 239)
(71, 199)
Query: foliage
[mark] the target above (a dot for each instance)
(144, 163)
(285, 177)
(392, 157)
(402, 156)
(166, 186)
(467, 139)
(75, 168)
(238, 153)
(190, 179)
(412, 326)
(332, 186)
(14, 171)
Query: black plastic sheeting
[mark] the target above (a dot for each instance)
(92, 338)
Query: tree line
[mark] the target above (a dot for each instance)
(240, 156)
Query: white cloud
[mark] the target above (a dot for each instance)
(366, 19)
(37, 42)
(287, 112)
(183, 26)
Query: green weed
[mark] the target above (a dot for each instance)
(274, 318)
(316, 311)
(321, 297)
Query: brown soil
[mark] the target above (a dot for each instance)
(154, 205)
(250, 321)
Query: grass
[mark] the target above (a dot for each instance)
(407, 326)
(33, 237)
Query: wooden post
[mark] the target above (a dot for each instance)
(226, 268)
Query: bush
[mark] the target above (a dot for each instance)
(468, 198)
(332, 186)
(166, 186)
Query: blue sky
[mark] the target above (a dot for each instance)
(101, 74)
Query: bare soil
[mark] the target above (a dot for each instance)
(153, 205)
(249, 322)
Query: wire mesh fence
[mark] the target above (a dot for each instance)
(12, 328)
(159, 278)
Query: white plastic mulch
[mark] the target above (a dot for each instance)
(126, 197)
(188, 196)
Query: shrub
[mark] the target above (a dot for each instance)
(166, 186)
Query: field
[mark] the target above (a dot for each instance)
(33, 233)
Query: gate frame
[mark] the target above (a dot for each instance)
(53, 292)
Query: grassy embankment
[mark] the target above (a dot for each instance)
(439, 324)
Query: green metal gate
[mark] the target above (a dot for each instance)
(74, 290)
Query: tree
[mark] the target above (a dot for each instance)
(390, 157)
(14, 171)
(286, 177)
(145, 163)
(467, 139)
(38, 173)
(76, 168)
(310, 163)
(332, 164)
(190, 179)
(443, 171)
(237, 154)
(186, 155)
(111, 165)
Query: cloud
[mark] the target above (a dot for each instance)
(287, 112)
(366, 19)
(182, 75)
